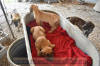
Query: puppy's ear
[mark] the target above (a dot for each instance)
(68, 18)
(42, 29)
(32, 30)
(34, 6)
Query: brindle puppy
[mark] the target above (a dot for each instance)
(85, 26)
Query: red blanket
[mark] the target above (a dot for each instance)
(66, 53)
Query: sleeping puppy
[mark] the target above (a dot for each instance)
(44, 47)
(85, 27)
(37, 31)
(41, 16)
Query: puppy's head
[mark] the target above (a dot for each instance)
(89, 25)
(47, 51)
(16, 15)
(34, 7)
(88, 28)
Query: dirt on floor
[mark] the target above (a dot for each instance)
(4, 61)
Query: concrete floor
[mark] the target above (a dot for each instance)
(83, 11)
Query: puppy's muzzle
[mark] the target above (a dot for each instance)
(46, 55)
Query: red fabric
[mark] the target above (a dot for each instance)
(66, 53)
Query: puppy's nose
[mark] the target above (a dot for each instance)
(48, 54)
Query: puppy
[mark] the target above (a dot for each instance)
(85, 26)
(44, 47)
(41, 16)
(37, 31)
(16, 20)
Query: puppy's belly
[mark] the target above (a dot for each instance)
(46, 20)
(37, 35)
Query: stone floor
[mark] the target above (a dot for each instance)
(85, 12)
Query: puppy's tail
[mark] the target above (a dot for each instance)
(32, 30)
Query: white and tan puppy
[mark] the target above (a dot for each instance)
(41, 16)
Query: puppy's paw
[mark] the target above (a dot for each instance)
(38, 54)
(52, 45)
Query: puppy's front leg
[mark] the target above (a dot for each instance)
(38, 51)
(52, 29)
(52, 45)
(37, 48)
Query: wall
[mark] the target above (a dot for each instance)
(89, 1)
